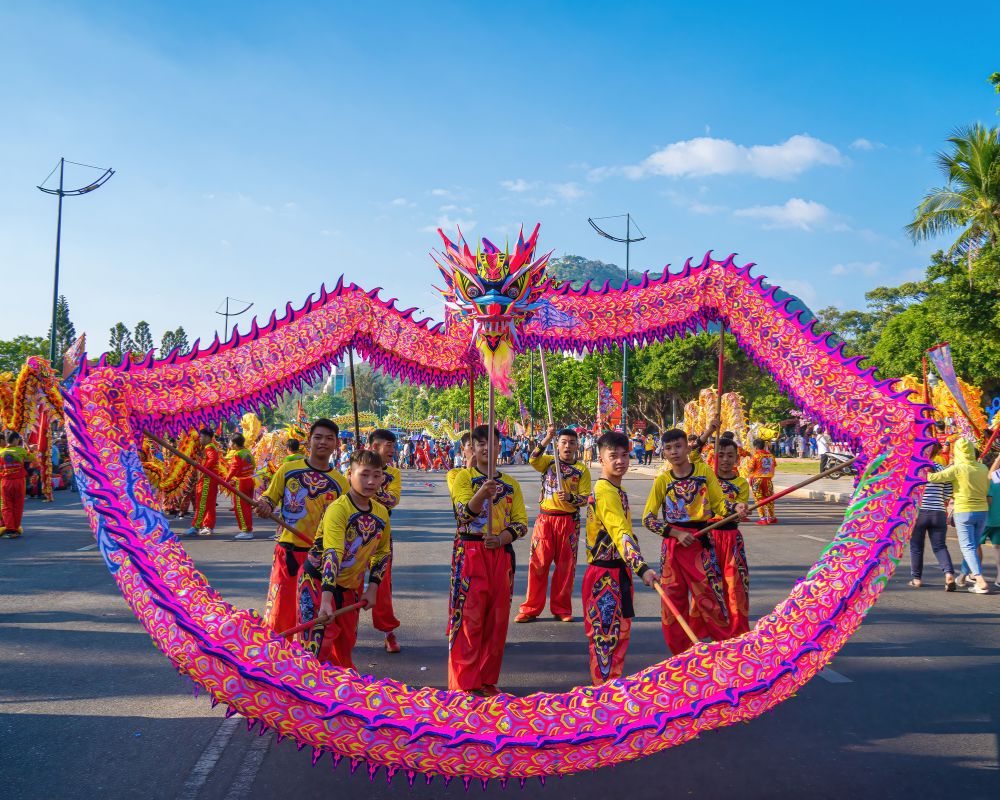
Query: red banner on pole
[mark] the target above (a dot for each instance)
(615, 417)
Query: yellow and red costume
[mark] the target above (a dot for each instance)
(206, 490)
(13, 476)
(350, 540)
(388, 494)
(612, 549)
(241, 469)
(691, 575)
(732, 555)
(303, 494)
(555, 536)
(761, 473)
(482, 581)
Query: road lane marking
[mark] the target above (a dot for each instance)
(88, 547)
(209, 758)
(830, 676)
(247, 773)
(814, 538)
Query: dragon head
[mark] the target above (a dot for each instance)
(498, 290)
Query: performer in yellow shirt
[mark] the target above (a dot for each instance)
(557, 527)
(354, 537)
(302, 489)
(383, 442)
(612, 549)
(482, 569)
(686, 495)
(761, 474)
(729, 546)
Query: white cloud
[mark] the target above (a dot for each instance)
(857, 268)
(291, 206)
(547, 193)
(568, 191)
(796, 213)
(440, 193)
(866, 144)
(447, 224)
(400, 201)
(705, 155)
(518, 185)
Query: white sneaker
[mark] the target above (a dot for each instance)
(205, 532)
(244, 536)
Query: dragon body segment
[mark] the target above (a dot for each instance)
(420, 730)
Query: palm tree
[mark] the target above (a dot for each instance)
(971, 198)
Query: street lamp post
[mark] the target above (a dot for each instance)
(628, 246)
(62, 192)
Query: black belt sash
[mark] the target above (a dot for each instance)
(624, 581)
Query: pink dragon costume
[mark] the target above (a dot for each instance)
(384, 723)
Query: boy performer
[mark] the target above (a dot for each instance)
(761, 472)
(206, 490)
(728, 541)
(14, 460)
(241, 470)
(687, 495)
(557, 527)
(467, 454)
(353, 536)
(302, 489)
(482, 569)
(612, 549)
(294, 454)
(383, 442)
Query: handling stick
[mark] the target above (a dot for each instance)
(223, 483)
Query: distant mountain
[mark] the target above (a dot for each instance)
(577, 270)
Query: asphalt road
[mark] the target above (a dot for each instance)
(90, 709)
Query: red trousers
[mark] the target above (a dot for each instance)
(762, 487)
(732, 559)
(604, 621)
(281, 608)
(482, 590)
(692, 578)
(553, 539)
(12, 489)
(383, 617)
(334, 641)
(244, 511)
(204, 503)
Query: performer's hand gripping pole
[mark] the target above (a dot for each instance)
(318, 621)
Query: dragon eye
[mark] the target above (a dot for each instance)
(513, 292)
(474, 291)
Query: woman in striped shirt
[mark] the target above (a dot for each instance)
(932, 521)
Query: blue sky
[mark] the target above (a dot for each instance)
(261, 152)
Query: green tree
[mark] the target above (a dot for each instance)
(326, 404)
(970, 199)
(119, 343)
(371, 386)
(142, 339)
(65, 330)
(14, 352)
(171, 339)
